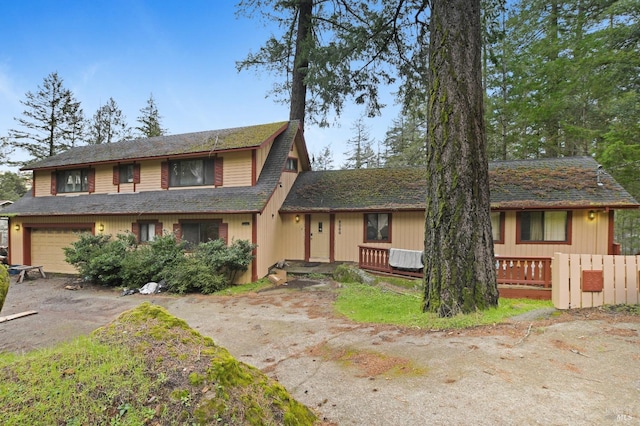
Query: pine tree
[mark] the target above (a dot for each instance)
(108, 125)
(459, 270)
(150, 120)
(51, 122)
(323, 160)
(360, 154)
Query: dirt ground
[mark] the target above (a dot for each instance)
(580, 368)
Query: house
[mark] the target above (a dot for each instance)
(4, 224)
(255, 183)
(225, 184)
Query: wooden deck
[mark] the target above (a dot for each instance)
(518, 277)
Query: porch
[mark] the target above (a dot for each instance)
(517, 276)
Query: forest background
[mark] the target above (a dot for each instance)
(561, 78)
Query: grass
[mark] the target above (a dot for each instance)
(245, 288)
(383, 305)
(146, 367)
(77, 383)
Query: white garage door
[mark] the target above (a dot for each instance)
(47, 245)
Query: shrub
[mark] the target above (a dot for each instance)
(226, 260)
(211, 267)
(98, 258)
(148, 261)
(191, 275)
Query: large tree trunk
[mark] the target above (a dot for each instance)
(459, 268)
(301, 62)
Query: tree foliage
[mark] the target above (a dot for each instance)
(12, 186)
(351, 49)
(150, 120)
(322, 160)
(51, 123)
(108, 125)
(360, 154)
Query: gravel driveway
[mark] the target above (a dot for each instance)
(581, 368)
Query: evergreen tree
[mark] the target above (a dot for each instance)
(360, 154)
(323, 160)
(459, 270)
(12, 186)
(150, 120)
(51, 122)
(405, 141)
(108, 125)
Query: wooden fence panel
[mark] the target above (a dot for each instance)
(620, 285)
(620, 290)
(631, 284)
(609, 274)
(575, 281)
(597, 264)
(560, 278)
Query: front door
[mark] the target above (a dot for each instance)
(319, 232)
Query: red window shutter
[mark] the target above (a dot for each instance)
(217, 171)
(159, 229)
(135, 230)
(164, 175)
(116, 175)
(54, 184)
(136, 173)
(177, 231)
(223, 232)
(92, 180)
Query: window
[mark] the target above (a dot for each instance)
(126, 173)
(377, 227)
(191, 172)
(195, 233)
(497, 227)
(72, 180)
(544, 226)
(292, 164)
(147, 232)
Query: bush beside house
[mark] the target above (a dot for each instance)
(120, 261)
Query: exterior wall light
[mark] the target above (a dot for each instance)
(16, 226)
(297, 218)
(101, 227)
(592, 214)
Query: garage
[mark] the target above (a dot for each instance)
(47, 248)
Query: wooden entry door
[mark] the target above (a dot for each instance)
(319, 231)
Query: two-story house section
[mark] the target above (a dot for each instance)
(225, 184)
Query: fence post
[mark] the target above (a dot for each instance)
(560, 281)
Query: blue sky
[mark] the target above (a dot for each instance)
(184, 52)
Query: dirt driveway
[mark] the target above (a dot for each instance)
(578, 369)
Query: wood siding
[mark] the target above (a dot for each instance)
(274, 232)
(261, 157)
(237, 169)
(588, 236)
(236, 172)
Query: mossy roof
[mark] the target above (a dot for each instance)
(164, 146)
(524, 184)
(245, 199)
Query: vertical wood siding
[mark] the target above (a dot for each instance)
(620, 277)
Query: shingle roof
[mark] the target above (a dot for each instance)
(248, 199)
(164, 146)
(550, 183)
